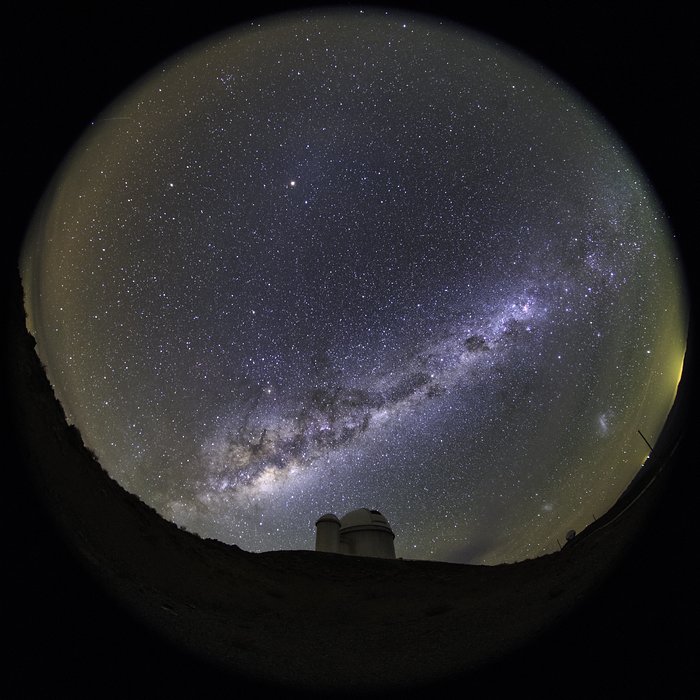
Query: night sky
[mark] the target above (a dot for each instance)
(347, 260)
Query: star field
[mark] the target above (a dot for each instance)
(349, 259)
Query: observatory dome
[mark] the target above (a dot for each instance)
(364, 518)
(362, 532)
(328, 517)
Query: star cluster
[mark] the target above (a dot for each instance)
(349, 259)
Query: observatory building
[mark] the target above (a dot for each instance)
(362, 532)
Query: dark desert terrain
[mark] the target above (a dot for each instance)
(106, 597)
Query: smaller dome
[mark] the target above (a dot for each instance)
(328, 518)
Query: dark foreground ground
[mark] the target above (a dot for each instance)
(108, 595)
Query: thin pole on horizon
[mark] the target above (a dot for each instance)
(645, 440)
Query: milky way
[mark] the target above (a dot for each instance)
(357, 259)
